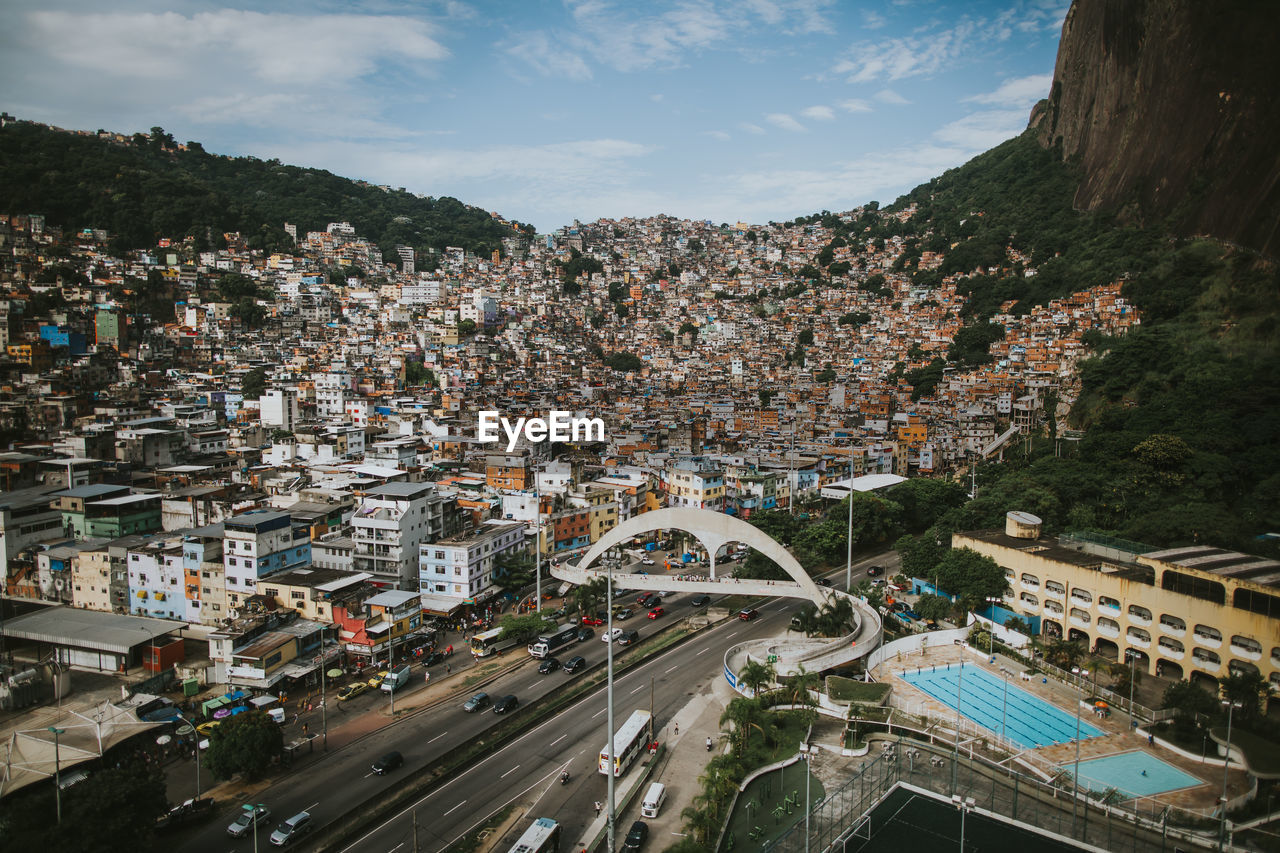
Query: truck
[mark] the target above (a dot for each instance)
(396, 679)
(548, 643)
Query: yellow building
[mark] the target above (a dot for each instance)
(1195, 612)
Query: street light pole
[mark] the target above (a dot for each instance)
(1226, 765)
(1075, 773)
(324, 695)
(537, 542)
(197, 734)
(808, 774)
(58, 776)
(1004, 703)
(612, 767)
(848, 566)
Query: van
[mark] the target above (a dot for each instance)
(653, 800)
(626, 638)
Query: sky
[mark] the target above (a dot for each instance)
(547, 111)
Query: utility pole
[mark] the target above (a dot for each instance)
(537, 540)
(848, 566)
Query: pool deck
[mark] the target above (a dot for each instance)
(1116, 737)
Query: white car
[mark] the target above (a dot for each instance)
(648, 561)
(610, 636)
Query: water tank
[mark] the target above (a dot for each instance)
(1022, 525)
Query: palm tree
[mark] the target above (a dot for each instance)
(800, 684)
(756, 675)
(1245, 689)
(588, 596)
(836, 617)
(699, 820)
(745, 715)
(806, 620)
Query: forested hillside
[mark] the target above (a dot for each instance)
(1181, 417)
(148, 188)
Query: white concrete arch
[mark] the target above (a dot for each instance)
(713, 530)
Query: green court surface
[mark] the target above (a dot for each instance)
(772, 804)
(905, 821)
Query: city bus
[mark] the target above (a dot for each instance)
(542, 837)
(548, 643)
(487, 643)
(633, 737)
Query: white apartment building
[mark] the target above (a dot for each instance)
(258, 544)
(459, 571)
(389, 525)
(332, 389)
(278, 408)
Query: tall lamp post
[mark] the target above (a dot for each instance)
(612, 767)
(1226, 765)
(848, 566)
(1133, 660)
(197, 734)
(1075, 773)
(253, 821)
(537, 543)
(58, 776)
(992, 600)
(964, 804)
(324, 696)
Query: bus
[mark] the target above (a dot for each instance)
(633, 737)
(487, 643)
(548, 643)
(542, 837)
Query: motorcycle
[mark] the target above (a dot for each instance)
(564, 778)
(708, 744)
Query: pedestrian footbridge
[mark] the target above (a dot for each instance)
(789, 653)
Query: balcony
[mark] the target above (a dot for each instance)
(1108, 603)
(1243, 647)
(1108, 627)
(1053, 607)
(1080, 596)
(1055, 589)
(1206, 659)
(1173, 626)
(1139, 638)
(1080, 617)
(1172, 649)
(1030, 582)
(1207, 636)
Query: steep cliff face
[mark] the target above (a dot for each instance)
(1170, 108)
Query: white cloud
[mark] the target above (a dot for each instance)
(888, 96)
(751, 128)
(872, 20)
(1019, 91)
(656, 98)
(982, 130)
(273, 48)
(717, 134)
(784, 121)
(818, 113)
(792, 16)
(854, 105)
(550, 60)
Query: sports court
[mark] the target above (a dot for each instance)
(998, 706)
(1135, 774)
(907, 820)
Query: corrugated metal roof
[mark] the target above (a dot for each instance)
(87, 629)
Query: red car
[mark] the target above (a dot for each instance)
(656, 612)
(592, 620)
(748, 614)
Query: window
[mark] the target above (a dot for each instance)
(274, 593)
(298, 595)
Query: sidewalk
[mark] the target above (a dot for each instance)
(686, 757)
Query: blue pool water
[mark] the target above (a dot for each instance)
(1024, 719)
(1124, 772)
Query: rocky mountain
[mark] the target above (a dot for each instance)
(1168, 107)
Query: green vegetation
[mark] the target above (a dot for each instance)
(148, 188)
(525, 628)
(245, 743)
(624, 362)
(111, 811)
(841, 689)
(254, 384)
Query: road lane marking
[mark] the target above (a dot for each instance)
(673, 669)
(557, 740)
(734, 634)
(638, 689)
(509, 772)
(437, 737)
(454, 809)
(704, 651)
(598, 713)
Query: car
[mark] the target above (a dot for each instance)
(592, 620)
(247, 820)
(656, 612)
(701, 600)
(624, 613)
(433, 659)
(663, 593)
(628, 637)
(352, 690)
(207, 728)
(748, 613)
(572, 619)
(621, 593)
(879, 582)
(505, 704)
(648, 561)
(874, 571)
(824, 581)
(585, 633)
(549, 664)
(375, 680)
(388, 762)
(931, 624)
(292, 829)
(636, 836)
(476, 702)
(558, 613)
(647, 599)
(189, 811)
(574, 663)
(610, 636)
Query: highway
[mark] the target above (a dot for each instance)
(571, 740)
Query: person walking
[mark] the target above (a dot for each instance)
(599, 806)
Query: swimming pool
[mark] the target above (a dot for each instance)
(1135, 774)
(1024, 719)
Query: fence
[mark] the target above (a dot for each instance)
(997, 789)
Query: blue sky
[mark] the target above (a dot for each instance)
(752, 110)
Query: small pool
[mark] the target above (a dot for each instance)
(1136, 774)
(1026, 720)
